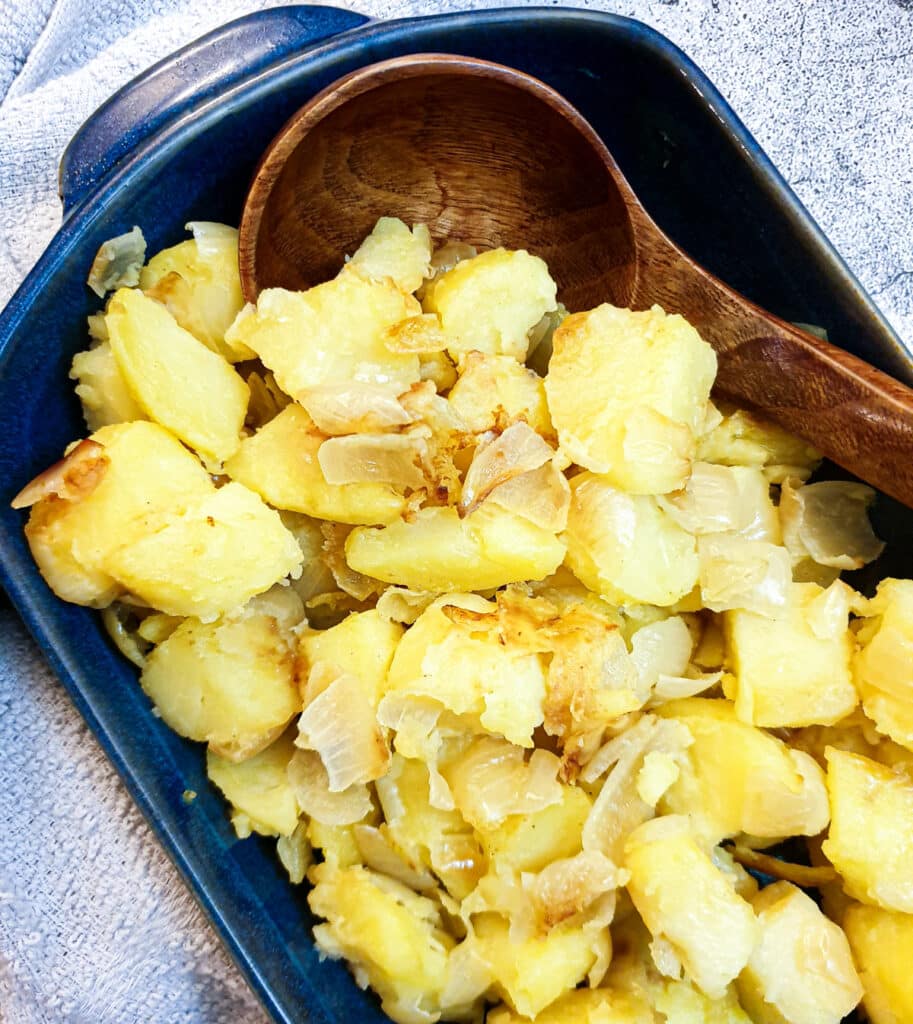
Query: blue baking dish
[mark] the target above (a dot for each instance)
(179, 144)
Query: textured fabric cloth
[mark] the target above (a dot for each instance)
(95, 925)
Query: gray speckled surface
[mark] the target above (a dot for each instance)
(95, 925)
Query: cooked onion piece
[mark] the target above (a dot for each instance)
(311, 783)
(393, 459)
(829, 523)
(73, 478)
(518, 450)
(354, 407)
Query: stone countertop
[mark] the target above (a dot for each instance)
(95, 924)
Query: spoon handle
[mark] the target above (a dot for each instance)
(857, 416)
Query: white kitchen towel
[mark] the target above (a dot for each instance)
(95, 926)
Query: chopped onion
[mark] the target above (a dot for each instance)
(380, 854)
(350, 408)
(118, 263)
(670, 687)
(828, 614)
(709, 502)
(739, 573)
(311, 784)
(619, 808)
(267, 399)
(399, 604)
(829, 522)
(567, 888)
(348, 580)
(492, 781)
(543, 496)
(212, 238)
(414, 721)
(339, 722)
(661, 649)
(518, 450)
(295, 853)
(373, 458)
(77, 474)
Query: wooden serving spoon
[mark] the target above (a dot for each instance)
(488, 155)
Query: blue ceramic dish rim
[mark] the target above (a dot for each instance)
(196, 116)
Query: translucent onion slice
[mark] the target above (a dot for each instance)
(211, 237)
(374, 458)
(661, 649)
(619, 808)
(399, 604)
(543, 496)
(267, 399)
(567, 888)
(340, 724)
(118, 263)
(829, 522)
(828, 614)
(308, 778)
(518, 450)
(710, 502)
(669, 687)
(349, 581)
(493, 780)
(382, 855)
(295, 853)
(73, 478)
(350, 408)
(740, 573)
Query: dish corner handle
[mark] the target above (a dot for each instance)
(198, 70)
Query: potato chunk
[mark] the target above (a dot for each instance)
(395, 252)
(102, 389)
(870, 841)
(470, 674)
(176, 379)
(793, 670)
(627, 393)
(280, 463)
(531, 974)
(229, 683)
(689, 904)
(228, 547)
(488, 303)
(436, 550)
(331, 334)
(199, 284)
(801, 970)
(584, 1006)
(258, 789)
(530, 842)
(363, 645)
(392, 936)
(736, 778)
(882, 944)
(148, 474)
(492, 392)
(883, 667)
(624, 547)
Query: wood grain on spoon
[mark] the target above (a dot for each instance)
(491, 156)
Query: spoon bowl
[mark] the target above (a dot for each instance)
(490, 156)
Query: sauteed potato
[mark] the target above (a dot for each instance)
(527, 653)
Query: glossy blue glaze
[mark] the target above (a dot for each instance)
(179, 145)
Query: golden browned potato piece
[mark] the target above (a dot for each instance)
(280, 463)
(175, 378)
(870, 841)
(331, 334)
(793, 670)
(489, 303)
(628, 392)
